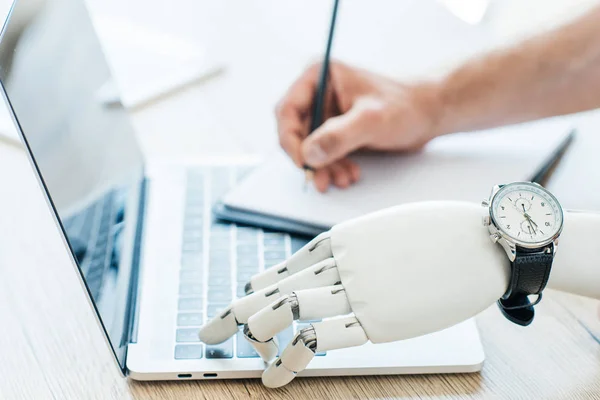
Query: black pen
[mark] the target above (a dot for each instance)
(319, 100)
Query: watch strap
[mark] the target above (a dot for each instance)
(529, 275)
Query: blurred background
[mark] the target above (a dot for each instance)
(200, 79)
(188, 68)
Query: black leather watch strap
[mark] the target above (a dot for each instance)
(530, 272)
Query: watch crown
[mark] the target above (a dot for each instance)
(495, 237)
(485, 203)
(486, 220)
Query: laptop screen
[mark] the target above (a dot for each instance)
(51, 68)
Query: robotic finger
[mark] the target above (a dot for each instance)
(226, 324)
(316, 250)
(320, 336)
(309, 304)
(267, 350)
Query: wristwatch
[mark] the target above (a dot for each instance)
(526, 220)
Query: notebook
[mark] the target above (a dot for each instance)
(461, 166)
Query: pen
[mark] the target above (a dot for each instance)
(319, 100)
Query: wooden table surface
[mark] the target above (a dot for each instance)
(51, 347)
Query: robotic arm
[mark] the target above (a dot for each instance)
(391, 275)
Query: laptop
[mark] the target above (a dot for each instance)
(153, 260)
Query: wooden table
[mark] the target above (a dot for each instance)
(51, 347)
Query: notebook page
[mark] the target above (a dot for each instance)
(455, 167)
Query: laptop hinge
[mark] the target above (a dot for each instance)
(132, 315)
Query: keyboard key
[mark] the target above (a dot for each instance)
(218, 295)
(194, 261)
(192, 246)
(195, 276)
(220, 243)
(241, 291)
(187, 335)
(189, 240)
(247, 237)
(221, 288)
(219, 277)
(285, 337)
(193, 234)
(220, 227)
(195, 195)
(194, 209)
(189, 319)
(221, 268)
(274, 239)
(193, 187)
(219, 280)
(215, 309)
(243, 276)
(193, 222)
(248, 262)
(188, 351)
(219, 261)
(190, 304)
(217, 253)
(274, 249)
(244, 348)
(275, 255)
(270, 263)
(246, 249)
(188, 289)
(222, 350)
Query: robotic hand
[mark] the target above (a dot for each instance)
(392, 275)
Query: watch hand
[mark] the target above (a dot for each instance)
(530, 221)
(525, 211)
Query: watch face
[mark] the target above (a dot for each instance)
(527, 213)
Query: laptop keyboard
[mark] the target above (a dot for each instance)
(217, 260)
(91, 234)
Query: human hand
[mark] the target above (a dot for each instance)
(362, 110)
(380, 273)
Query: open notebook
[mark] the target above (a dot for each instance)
(456, 167)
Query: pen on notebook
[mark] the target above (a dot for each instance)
(319, 100)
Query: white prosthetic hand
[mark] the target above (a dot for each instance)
(391, 275)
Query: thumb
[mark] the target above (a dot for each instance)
(333, 140)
